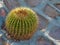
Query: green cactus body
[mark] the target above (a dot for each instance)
(21, 23)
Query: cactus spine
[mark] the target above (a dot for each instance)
(21, 23)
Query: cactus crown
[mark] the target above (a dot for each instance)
(21, 23)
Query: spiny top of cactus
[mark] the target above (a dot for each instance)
(22, 12)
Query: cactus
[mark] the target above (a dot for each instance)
(21, 23)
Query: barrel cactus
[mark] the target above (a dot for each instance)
(21, 23)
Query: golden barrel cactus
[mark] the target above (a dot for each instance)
(21, 23)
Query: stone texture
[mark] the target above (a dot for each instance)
(50, 12)
(33, 2)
